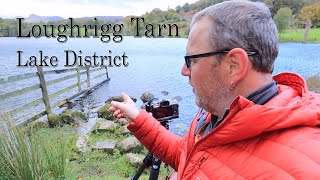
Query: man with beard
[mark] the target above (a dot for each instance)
(251, 125)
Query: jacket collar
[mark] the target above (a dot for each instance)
(294, 106)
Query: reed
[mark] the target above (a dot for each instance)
(20, 159)
(29, 158)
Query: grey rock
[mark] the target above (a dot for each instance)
(134, 159)
(106, 126)
(124, 130)
(130, 144)
(107, 146)
(82, 143)
(145, 97)
(73, 117)
(89, 126)
(177, 98)
(164, 93)
(121, 121)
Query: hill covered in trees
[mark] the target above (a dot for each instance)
(288, 14)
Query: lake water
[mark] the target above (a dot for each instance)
(154, 66)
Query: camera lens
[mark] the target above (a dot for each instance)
(164, 103)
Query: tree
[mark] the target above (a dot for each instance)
(186, 7)
(283, 18)
(308, 16)
(179, 9)
(294, 5)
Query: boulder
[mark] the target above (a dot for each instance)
(121, 121)
(90, 126)
(124, 130)
(134, 159)
(177, 98)
(82, 143)
(104, 112)
(145, 97)
(107, 146)
(164, 93)
(73, 117)
(104, 125)
(55, 120)
(130, 144)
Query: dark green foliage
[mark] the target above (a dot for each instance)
(283, 18)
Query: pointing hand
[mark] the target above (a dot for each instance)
(126, 109)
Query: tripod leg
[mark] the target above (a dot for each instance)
(155, 168)
(147, 161)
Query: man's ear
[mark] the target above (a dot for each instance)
(237, 65)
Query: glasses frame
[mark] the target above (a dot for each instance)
(188, 58)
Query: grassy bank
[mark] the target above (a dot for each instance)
(298, 34)
(53, 152)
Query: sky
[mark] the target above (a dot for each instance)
(82, 8)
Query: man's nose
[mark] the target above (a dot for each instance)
(185, 71)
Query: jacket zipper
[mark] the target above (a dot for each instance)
(197, 167)
(202, 139)
(191, 152)
(199, 164)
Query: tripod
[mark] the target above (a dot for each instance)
(151, 160)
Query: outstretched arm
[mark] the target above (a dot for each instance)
(157, 139)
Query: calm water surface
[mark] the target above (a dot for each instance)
(154, 66)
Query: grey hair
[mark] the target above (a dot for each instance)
(243, 24)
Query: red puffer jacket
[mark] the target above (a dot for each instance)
(278, 140)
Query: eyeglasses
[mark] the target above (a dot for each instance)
(189, 58)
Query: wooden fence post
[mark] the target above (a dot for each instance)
(44, 90)
(88, 76)
(78, 78)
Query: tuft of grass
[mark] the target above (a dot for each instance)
(19, 158)
(26, 156)
(313, 83)
(47, 153)
(55, 158)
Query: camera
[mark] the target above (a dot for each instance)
(163, 110)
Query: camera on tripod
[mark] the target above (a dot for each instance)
(163, 110)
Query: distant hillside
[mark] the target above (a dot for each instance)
(106, 18)
(36, 19)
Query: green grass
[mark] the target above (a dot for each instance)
(298, 34)
(91, 165)
(55, 149)
(19, 157)
(50, 153)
